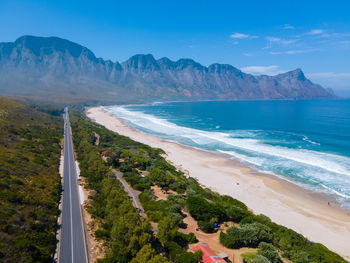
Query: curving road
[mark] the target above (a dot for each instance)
(131, 192)
(72, 239)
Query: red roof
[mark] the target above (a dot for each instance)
(209, 256)
(104, 152)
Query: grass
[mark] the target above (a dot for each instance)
(249, 256)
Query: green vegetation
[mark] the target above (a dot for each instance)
(261, 259)
(249, 256)
(143, 167)
(30, 187)
(247, 235)
(268, 251)
(29, 182)
(128, 236)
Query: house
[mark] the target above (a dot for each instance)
(104, 153)
(209, 256)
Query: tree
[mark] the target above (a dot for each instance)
(148, 255)
(160, 178)
(166, 230)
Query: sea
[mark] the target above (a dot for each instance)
(306, 142)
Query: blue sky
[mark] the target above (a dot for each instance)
(259, 37)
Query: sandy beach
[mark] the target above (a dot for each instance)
(285, 203)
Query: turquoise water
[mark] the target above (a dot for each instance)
(306, 142)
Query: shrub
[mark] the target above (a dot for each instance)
(206, 226)
(269, 252)
(232, 240)
(236, 214)
(185, 239)
(202, 210)
(175, 208)
(177, 218)
(248, 235)
(178, 199)
(178, 255)
(260, 259)
(167, 230)
(161, 178)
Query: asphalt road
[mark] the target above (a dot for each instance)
(72, 242)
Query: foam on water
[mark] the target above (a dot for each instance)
(326, 172)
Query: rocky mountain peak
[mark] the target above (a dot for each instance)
(43, 46)
(52, 66)
(297, 74)
(141, 62)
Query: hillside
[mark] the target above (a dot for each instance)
(29, 182)
(57, 69)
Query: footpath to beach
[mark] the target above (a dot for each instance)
(302, 210)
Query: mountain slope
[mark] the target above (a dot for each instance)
(54, 67)
(29, 182)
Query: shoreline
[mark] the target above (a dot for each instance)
(305, 211)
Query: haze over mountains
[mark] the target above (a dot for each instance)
(58, 69)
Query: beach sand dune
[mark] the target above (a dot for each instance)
(314, 215)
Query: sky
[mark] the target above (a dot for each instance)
(258, 37)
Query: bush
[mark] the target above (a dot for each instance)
(248, 235)
(185, 239)
(202, 210)
(206, 226)
(177, 218)
(175, 208)
(178, 255)
(161, 178)
(260, 259)
(269, 252)
(178, 199)
(231, 241)
(236, 214)
(191, 238)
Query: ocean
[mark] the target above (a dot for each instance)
(304, 142)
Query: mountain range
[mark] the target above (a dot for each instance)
(53, 68)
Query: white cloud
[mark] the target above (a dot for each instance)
(281, 41)
(288, 52)
(278, 41)
(273, 39)
(329, 75)
(288, 26)
(335, 35)
(248, 54)
(241, 36)
(345, 43)
(315, 32)
(264, 70)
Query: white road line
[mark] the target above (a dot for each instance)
(70, 198)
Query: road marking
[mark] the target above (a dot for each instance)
(70, 197)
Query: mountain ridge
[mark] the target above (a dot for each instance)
(56, 67)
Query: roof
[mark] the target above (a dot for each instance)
(209, 256)
(104, 152)
(223, 255)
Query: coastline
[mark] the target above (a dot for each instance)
(302, 210)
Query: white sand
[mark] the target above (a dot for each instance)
(285, 203)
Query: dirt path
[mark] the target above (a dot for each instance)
(97, 139)
(160, 194)
(131, 192)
